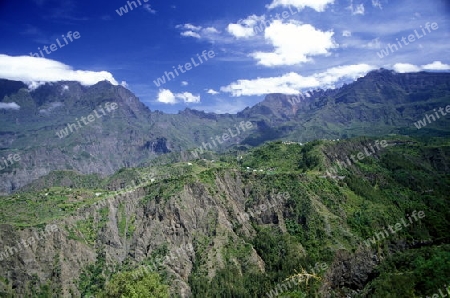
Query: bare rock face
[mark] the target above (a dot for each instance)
(349, 273)
(132, 227)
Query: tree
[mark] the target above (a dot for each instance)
(135, 284)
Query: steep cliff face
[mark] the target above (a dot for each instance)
(238, 226)
(131, 227)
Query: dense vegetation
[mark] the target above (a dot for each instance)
(320, 217)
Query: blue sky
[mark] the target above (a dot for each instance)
(311, 44)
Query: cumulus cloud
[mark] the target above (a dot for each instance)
(212, 91)
(245, 28)
(293, 83)
(190, 34)
(294, 43)
(436, 65)
(168, 97)
(318, 5)
(406, 67)
(189, 27)
(36, 71)
(239, 31)
(189, 30)
(188, 97)
(9, 106)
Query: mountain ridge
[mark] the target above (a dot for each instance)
(380, 103)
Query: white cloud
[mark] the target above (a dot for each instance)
(9, 106)
(188, 97)
(359, 9)
(356, 9)
(293, 83)
(37, 71)
(212, 91)
(184, 83)
(168, 97)
(245, 28)
(407, 67)
(294, 43)
(346, 33)
(197, 31)
(190, 34)
(149, 8)
(51, 107)
(377, 3)
(211, 30)
(189, 27)
(436, 65)
(318, 5)
(374, 44)
(239, 31)
(34, 85)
